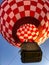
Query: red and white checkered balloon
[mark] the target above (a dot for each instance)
(13, 10)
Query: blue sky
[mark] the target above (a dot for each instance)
(9, 55)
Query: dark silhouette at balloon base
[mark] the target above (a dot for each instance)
(30, 52)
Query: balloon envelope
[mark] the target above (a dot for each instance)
(13, 10)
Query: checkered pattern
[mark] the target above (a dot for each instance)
(13, 10)
(27, 32)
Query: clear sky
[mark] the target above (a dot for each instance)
(9, 55)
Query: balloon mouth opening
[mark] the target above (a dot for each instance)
(30, 52)
(27, 32)
(25, 20)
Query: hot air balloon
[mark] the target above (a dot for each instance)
(25, 24)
